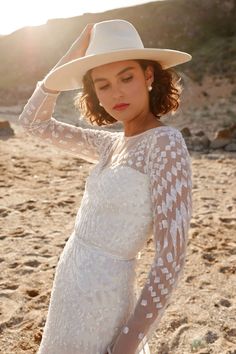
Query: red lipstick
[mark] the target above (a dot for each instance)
(121, 106)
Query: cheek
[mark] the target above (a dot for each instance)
(103, 97)
(139, 94)
(138, 88)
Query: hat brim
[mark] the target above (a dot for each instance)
(69, 76)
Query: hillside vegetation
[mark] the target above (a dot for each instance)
(204, 28)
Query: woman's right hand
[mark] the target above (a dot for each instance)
(76, 50)
(78, 47)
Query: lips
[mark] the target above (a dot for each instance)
(121, 106)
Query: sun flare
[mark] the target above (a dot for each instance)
(16, 14)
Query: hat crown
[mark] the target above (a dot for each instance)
(112, 35)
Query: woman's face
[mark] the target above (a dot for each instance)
(122, 88)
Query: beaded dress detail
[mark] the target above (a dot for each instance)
(139, 186)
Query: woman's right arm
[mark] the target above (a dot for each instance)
(37, 119)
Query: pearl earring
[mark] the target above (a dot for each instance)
(100, 104)
(150, 88)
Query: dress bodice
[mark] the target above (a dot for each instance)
(116, 212)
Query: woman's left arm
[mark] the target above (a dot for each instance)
(169, 170)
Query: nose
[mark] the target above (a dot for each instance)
(116, 92)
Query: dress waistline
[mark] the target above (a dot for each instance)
(112, 255)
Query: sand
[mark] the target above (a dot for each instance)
(41, 190)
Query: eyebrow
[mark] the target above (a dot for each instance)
(119, 73)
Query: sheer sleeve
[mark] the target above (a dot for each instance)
(36, 119)
(170, 174)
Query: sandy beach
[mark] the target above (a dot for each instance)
(41, 190)
(41, 186)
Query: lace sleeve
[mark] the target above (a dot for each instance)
(170, 174)
(36, 119)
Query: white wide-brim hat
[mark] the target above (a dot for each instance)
(110, 41)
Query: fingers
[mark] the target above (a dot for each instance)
(78, 47)
(89, 26)
(84, 36)
(87, 30)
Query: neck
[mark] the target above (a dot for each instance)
(141, 124)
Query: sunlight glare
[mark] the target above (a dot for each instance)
(16, 14)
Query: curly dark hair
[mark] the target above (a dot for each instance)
(164, 97)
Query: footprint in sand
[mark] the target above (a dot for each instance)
(13, 265)
(32, 263)
(24, 271)
(230, 334)
(190, 278)
(19, 231)
(209, 257)
(229, 247)
(8, 308)
(176, 323)
(25, 170)
(65, 202)
(39, 302)
(27, 205)
(4, 211)
(224, 302)
(15, 322)
(32, 292)
(9, 286)
(231, 269)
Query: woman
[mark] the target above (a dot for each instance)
(141, 185)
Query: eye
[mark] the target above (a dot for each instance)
(104, 87)
(127, 79)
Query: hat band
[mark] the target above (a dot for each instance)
(113, 50)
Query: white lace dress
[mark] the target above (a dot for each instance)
(140, 185)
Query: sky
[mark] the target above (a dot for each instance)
(15, 14)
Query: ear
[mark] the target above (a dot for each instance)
(149, 75)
